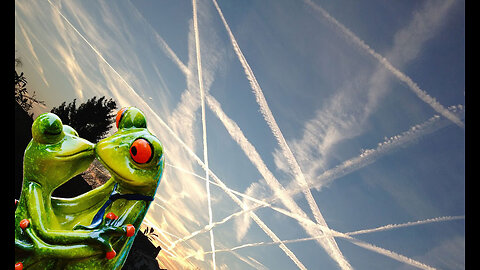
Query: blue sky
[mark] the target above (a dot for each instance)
(332, 131)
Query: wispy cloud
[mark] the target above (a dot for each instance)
(30, 47)
(408, 41)
(346, 114)
(243, 222)
(390, 144)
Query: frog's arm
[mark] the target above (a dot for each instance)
(60, 251)
(91, 199)
(36, 209)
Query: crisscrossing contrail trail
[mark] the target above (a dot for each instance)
(204, 127)
(328, 243)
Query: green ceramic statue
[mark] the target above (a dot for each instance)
(94, 230)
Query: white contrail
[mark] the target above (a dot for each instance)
(262, 225)
(388, 253)
(371, 155)
(171, 54)
(204, 126)
(329, 243)
(220, 183)
(365, 231)
(376, 249)
(408, 224)
(383, 61)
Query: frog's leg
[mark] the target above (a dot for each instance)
(36, 209)
(61, 251)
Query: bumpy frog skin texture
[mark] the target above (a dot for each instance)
(57, 236)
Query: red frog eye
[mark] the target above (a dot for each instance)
(141, 151)
(119, 115)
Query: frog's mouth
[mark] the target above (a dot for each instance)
(78, 153)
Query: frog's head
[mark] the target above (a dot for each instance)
(56, 153)
(133, 155)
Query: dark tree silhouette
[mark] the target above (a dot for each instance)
(92, 119)
(22, 97)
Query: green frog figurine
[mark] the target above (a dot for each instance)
(94, 230)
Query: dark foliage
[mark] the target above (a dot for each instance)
(92, 119)
(143, 254)
(22, 97)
